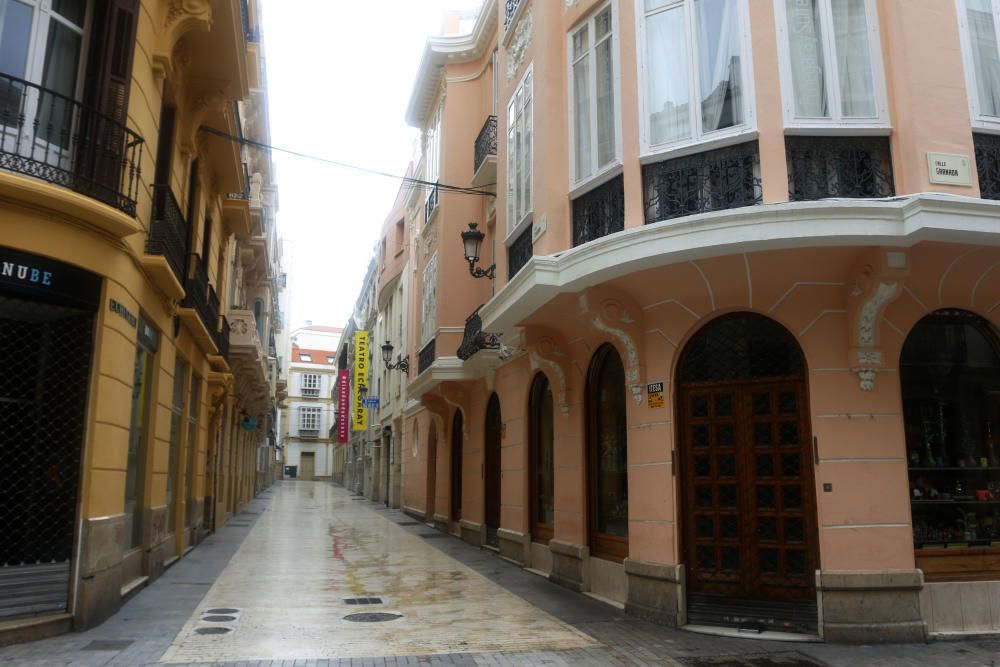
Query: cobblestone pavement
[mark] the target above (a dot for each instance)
(277, 583)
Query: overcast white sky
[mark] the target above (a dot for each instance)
(340, 74)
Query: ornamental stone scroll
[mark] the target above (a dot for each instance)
(877, 281)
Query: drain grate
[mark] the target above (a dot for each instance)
(239, 524)
(434, 536)
(218, 618)
(783, 659)
(408, 523)
(108, 645)
(367, 600)
(221, 610)
(213, 630)
(372, 617)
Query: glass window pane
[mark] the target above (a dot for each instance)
(612, 448)
(667, 58)
(62, 57)
(605, 103)
(854, 64)
(805, 43)
(985, 55)
(73, 11)
(580, 41)
(581, 112)
(15, 32)
(719, 64)
(602, 24)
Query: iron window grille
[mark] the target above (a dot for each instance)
(852, 167)
(714, 180)
(310, 385)
(987, 147)
(519, 252)
(222, 339)
(56, 139)
(599, 212)
(426, 357)
(510, 8)
(168, 233)
(432, 203)
(201, 296)
(486, 143)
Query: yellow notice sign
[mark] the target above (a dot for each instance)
(654, 394)
(359, 415)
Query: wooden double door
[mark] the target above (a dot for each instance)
(749, 518)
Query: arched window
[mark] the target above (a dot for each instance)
(608, 455)
(950, 375)
(456, 466)
(541, 434)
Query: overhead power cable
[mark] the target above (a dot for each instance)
(407, 181)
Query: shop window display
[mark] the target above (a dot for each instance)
(950, 373)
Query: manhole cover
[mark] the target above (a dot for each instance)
(372, 617)
(365, 600)
(218, 619)
(214, 630)
(108, 645)
(221, 610)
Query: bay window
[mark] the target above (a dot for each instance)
(594, 97)
(519, 146)
(831, 62)
(697, 71)
(979, 21)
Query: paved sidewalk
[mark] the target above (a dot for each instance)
(284, 576)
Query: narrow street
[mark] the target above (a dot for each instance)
(270, 589)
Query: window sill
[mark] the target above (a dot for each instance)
(515, 232)
(692, 148)
(838, 130)
(596, 181)
(986, 126)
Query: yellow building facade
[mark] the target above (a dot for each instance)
(130, 420)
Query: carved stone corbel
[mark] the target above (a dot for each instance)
(615, 314)
(182, 17)
(547, 352)
(876, 282)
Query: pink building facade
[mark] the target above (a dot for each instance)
(738, 365)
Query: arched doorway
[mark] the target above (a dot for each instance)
(607, 456)
(431, 471)
(456, 466)
(950, 380)
(747, 493)
(541, 462)
(492, 470)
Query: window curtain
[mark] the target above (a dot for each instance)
(985, 55)
(854, 64)
(805, 42)
(719, 55)
(669, 89)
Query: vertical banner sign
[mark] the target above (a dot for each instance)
(343, 399)
(359, 415)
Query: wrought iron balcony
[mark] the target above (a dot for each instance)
(711, 181)
(199, 295)
(475, 339)
(519, 252)
(510, 8)
(222, 339)
(309, 433)
(432, 203)
(426, 357)
(245, 195)
(168, 231)
(987, 147)
(599, 212)
(853, 167)
(486, 143)
(59, 140)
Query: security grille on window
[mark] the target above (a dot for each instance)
(309, 422)
(832, 67)
(519, 141)
(594, 111)
(979, 21)
(310, 385)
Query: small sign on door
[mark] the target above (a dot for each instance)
(654, 394)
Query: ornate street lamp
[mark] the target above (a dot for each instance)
(472, 240)
(402, 365)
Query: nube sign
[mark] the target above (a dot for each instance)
(26, 273)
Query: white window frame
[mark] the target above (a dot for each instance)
(878, 124)
(699, 140)
(311, 382)
(598, 173)
(432, 163)
(980, 121)
(519, 211)
(309, 418)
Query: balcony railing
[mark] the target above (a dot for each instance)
(200, 295)
(486, 143)
(510, 8)
(309, 433)
(222, 339)
(55, 138)
(711, 181)
(987, 147)
(432, 203)
(310, 392)
(168, 232)
(599, 212)
(853, 167)
(519, 252)
(426, 357)
(245, 195)
(250, 34)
